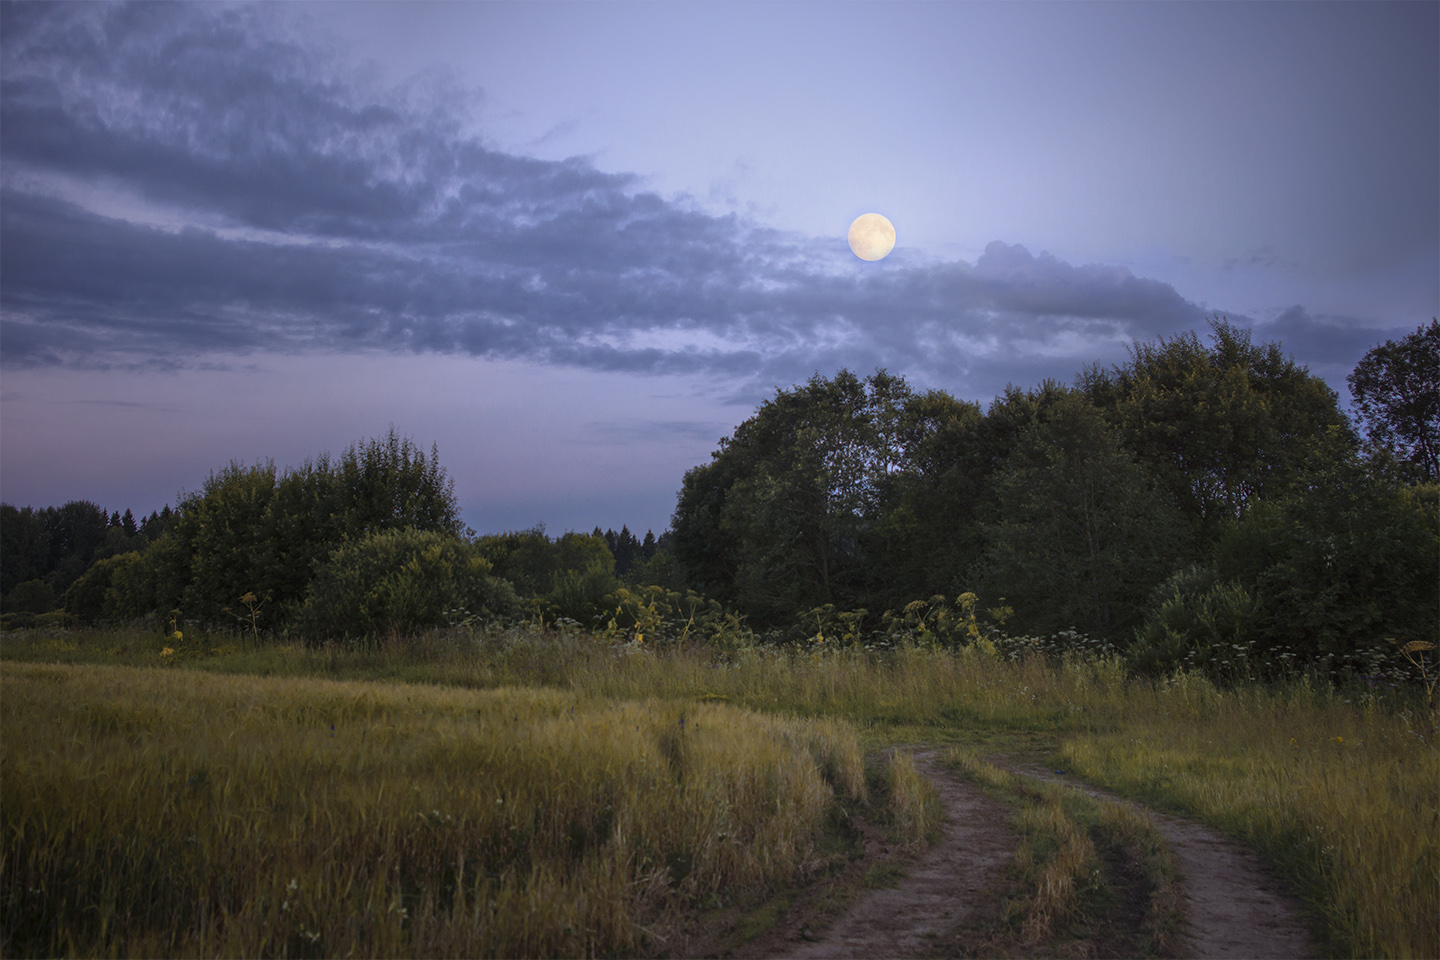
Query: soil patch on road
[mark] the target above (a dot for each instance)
(949, 896)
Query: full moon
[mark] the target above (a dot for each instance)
(872, 237)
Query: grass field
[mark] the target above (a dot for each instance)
(171, 812)
(523, 793)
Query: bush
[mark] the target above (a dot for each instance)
(400, 582)
(581, 594)
(538, 566)
(654, 614)
(1196, 620)
(256, 529)
(32, 596)
(113, 589)
(1338, 567)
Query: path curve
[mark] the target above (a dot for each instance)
(1234, 905)
(939, 892)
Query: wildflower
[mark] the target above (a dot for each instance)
(168, 652)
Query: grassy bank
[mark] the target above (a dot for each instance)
(934, 691)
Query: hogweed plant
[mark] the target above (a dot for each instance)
(1415, 652)
(252, 605)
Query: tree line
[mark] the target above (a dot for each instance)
(366, 544)
(1203, 504)
(1206, 504)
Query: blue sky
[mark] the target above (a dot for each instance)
(575, 245)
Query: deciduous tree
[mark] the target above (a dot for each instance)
(1396, 388)
(1078, 533)
(1222, 425)
(782, 518)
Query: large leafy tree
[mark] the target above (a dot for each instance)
(787, 514)
(76, 530)
(927, 537)
(1078, 534)
(933, 529)
(24, 546)
(1396, 388)
(1223, 425)
(56, 544)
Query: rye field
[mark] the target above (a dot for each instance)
(526, 792)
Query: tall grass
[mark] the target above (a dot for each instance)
(914, 807)
(909, 686)
(169, 812)
(1339, 791)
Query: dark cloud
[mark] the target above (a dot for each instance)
(1332, 344)
(261, 199)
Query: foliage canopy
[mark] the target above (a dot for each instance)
(1396, 387)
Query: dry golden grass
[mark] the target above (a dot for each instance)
(1055, 860)
(1142, 844)
(1345, 796)
(168, 812)
(914, 807)
(1348, 811)
(1058, 858)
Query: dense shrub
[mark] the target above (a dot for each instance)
(257, 530)
(653, 614)
(1196, 620)
(1340, 566)
(401, 582)
(32, 596)
(116, 589)
(537, 565)
(1323, 577)
(580, 595)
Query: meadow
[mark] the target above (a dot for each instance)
(524, 792)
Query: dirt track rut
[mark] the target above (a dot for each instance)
(938, 893)
(1234, 906)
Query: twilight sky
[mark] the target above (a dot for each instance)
(575, 245)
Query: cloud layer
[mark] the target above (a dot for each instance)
(183, 181)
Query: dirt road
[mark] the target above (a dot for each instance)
(1234, 906)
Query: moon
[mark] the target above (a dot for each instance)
(872, 237)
